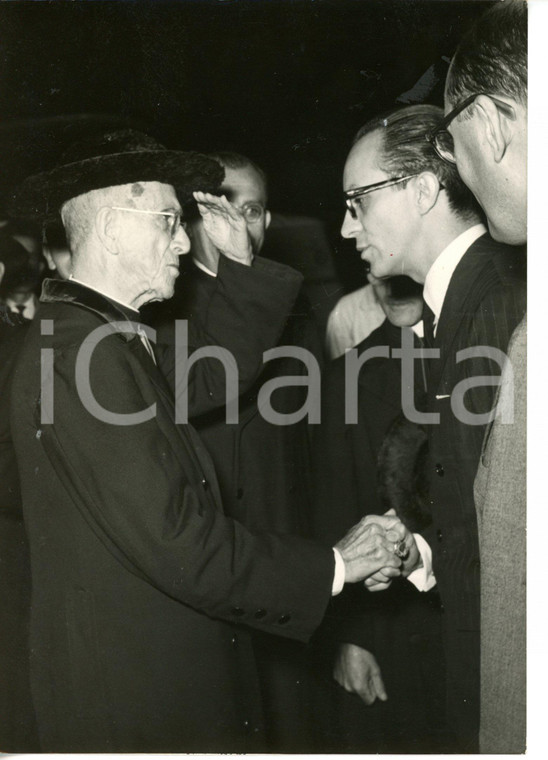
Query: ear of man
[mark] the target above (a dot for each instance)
(496, 128)
(2, 270)
(427, 191)
(107, 229)
(268, 219)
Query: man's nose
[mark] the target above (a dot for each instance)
(181, 241)
(350, 226)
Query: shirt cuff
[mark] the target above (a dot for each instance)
(340, 573)
(423, 578)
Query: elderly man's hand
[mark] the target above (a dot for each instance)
(401, 538)
(225, 226)
(357, 671)
(366, 549)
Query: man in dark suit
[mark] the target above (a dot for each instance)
(410, 213)
(486, 136)
(138, 576)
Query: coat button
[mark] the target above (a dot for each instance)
(440, 471)
(439, 535)
(284, 619)
(237, 611)
(239, 493)
(204, 484)
(234, 641)
(260, 614)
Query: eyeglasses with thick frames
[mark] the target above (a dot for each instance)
(174, 217)
(442, 139)
(351, 196)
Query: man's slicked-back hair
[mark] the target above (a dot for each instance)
(232, 160)
(492, 56)
(405, 150)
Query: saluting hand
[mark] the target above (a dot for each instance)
(225, 226)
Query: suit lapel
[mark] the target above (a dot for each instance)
(465, 291)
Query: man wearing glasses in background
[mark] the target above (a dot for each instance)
(485, 134)
(410, 213)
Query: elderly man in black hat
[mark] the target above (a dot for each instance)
(139, 579)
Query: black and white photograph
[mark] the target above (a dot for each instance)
(263, 376)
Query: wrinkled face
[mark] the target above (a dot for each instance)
(149, 253)
(245, 188)
(385, 220)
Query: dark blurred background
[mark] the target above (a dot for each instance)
(287, 82)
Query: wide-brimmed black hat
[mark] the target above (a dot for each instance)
(115, 158)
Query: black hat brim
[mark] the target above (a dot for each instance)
(41, 196)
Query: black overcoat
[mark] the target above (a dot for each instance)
(264, 475)
(138, 576)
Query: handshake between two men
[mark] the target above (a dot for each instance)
(378, 549)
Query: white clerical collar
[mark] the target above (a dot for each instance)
(203, 267)
(106, 295)
(440, 273)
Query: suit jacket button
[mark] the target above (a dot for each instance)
(439, 535)
(284, 619)
(234, 641)
(260, 614)
(440, 471)
(237, 611)
(204, 484)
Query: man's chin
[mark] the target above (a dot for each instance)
(510, 236)
(164, 294)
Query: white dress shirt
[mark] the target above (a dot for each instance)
(440, 273)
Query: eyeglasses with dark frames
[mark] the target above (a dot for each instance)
(442, 139)
(351, 196)
(174, 217)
